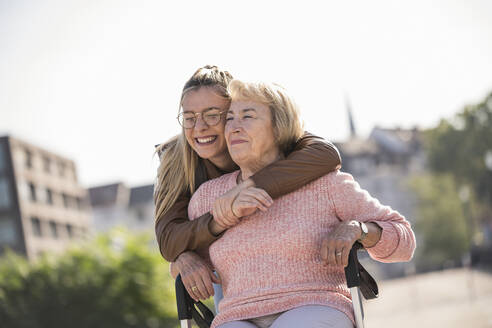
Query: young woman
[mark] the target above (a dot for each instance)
(199, 154)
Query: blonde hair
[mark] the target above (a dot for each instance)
(179, 162)
(286, 122)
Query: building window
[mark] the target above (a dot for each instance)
(80, 203)
(47, 164)
(49, 196)
(32, 192)
(5, 200)
(7, 231)
(66, 200)
(53, 229)
(28, 159)
(61, 168)
(70, 231)
(3, 158)
(36, 227)
(140, 214)
(74, 173)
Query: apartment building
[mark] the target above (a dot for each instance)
(42, 206)
(117, 205)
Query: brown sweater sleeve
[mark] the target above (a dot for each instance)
(311, 158)
(176, 233)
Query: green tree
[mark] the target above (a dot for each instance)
(113, 282)
(441, 225)
(461, 146)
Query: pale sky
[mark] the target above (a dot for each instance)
(99, 81)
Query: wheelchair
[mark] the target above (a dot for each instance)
(359, 281)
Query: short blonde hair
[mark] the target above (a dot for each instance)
(286, 121)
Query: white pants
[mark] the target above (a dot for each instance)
(307, 316)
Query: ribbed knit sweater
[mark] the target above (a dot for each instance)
(271, 262)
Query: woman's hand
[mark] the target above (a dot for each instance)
(335, 247)
(196, 274)
(249, 200)
(222, 209)
(240, 201)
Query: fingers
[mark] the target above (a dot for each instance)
(200, 289)
(345, 256)
(251, 199)
(222, 217)
(331, 253)
(222, 207)
(191, 288)
(205, 289)
(196, 275)
(207, 280)
(230, 207)
(324, 251)
(328, 250)
(199, 286)
(338, 255)
(264, 201)
(336, 246)
(335, 251)
(216, 279)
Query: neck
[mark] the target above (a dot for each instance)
(251, 167)
(224, 162)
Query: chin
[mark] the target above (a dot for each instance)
(206, 155)
(237, 158)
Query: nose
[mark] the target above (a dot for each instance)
(200, 123)
(234, 125)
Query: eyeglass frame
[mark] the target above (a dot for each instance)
(200, 114)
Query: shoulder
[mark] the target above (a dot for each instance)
(210, 187)
(337, 177)
(202, 200)
(309, 139)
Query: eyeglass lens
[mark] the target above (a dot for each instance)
(188, 119)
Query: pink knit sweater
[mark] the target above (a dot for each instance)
(270, 262)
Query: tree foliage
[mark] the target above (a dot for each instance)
(113, 282)
(441, 225)
(460, 146)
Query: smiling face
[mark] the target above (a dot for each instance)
(207, 141)
(250, 137)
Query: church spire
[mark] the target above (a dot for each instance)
(350, 117)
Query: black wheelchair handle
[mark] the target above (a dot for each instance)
(183, 300)
(352, 269)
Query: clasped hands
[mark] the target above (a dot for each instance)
(242, 200)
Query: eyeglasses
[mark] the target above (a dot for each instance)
(210, 117)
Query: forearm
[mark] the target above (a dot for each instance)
(177, 235)
(397, 242)
(373, 235)
(311, 159)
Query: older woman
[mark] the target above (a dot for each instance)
(283, 267)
